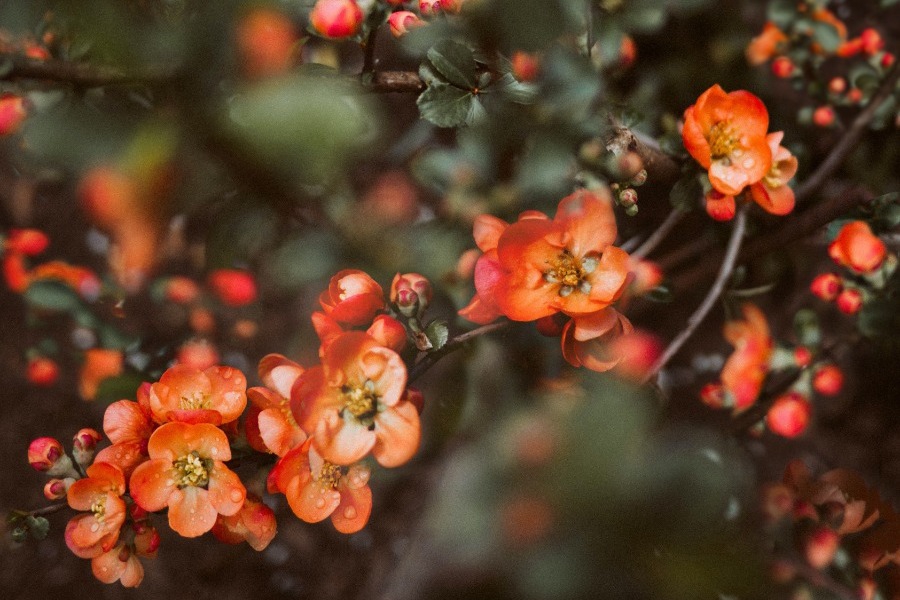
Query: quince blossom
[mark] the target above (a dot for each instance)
(746, 368)
(216, 395)
(128, 425)
(90, 534)
(275, 428)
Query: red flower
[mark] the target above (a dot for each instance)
(537, 267)
(271, 410)
(187, 473)
(233, 287)
(90, 534)
(352, 298)
(789, 415)
(353, 403)
(12, 113)
(216, 395)
(857, 248)
(254, 524)
(317, 489)
(726, 134)
(746, 368)
(29, 242)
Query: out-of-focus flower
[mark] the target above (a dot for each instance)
(12, 113)
(42, 371)
(353, 403)
(234, 287)
(317, 489)
(91, 533)
(828, 380)
(849, 301)
(537, 267)
(266, 41)
(99, 364)
(197, 353)
(726, 134)
(820, 546)
(766, 45)
(82, 280)
(826, 286)
(402, 21)
(215, 395)
(773, 193)
(254, 524)
(181, 290)
(15, 272)
(29, 242)
(789, 415)
(746, 368)
(525, 65)
(857, 248)
(128, 425)
(187, 473)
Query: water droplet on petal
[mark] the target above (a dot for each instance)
(156, 476)
(214, 451)
(349, 513)
(748, 163)
(236, 495)
(320, 503)
(169, 483)
(95, 527)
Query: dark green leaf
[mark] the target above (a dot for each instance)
(437, 333)
(455, 62)
(686, 193)
(38, 526)
(826, 35)
(448, 106)
(806, 327)
(782, 12)
(516, 91)
(51, 295)
(118, 387)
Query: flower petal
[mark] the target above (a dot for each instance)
(353, 512)
(226, 492)
(342, 441)
(152, 484)
(397, 435)
(190, 512)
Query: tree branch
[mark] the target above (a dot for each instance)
(660, 234)
(734, 245)
(405, 82)
(80, 73)
(429, 359)
(661, 168)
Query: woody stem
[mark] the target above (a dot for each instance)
(659, 235)
(734, 246)
(455, 343)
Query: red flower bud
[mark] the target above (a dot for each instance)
(719, 206)
(42, 371)
(84, 445)
(402, 21)
(336, 19)
(837, 85)
(823, 116)
(429, 8)
(181, 290)
(887, 59)
(198, 353)
(628, 197)
(233, 287)
(828, 380)
(46, 454)
(56, 489)
(525, 66)
(826, 286)
(29, 242)
(783, 67)
(713, 395)
(820, 546)
(12, 113)
(871, 41)
(802, 356)
(849, 301)
(855, 95)
(15, 272)
(789, 415)
(411, 293)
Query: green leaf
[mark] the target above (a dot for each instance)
(517, 91)
(118, 387)
(38, 526)
(782, 12)
(826, 35)
(455, 62)
(643, 16)
(806, 327)
(448, 106)
(53, 296)
(438, 334)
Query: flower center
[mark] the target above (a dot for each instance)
(571, 272)
(193, 470)
(361, 400)
(195, 401)
(723, 141)
(99, 509)
(772, 179)
(330, 475)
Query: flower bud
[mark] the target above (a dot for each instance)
(823, 116)
(181, 290)
(887, 60)
(640, 178)
(713, 395)
(631, 210)
(29, 242)
(336, 19)
(429, 8)
(854, 96)
(42, 371)
(402, 21)
(12, 113)
(525, 66)
(802, 356)
(828, 380)
(789, 415)
(56, 489)
(782, 67)
(388, 332)
(198, 353)
(46, 454)
(871, 41)
(719, 206)
(411, 293)
(84, 445)
(837, 85)
(849, 301)
(820, 546)
(628, 197)
(233, 287)
(451, 6)
(826, 286)
(857, 248)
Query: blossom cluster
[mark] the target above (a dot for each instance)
(565, 274)
(868, 261)
(171, 447)
(727, 134)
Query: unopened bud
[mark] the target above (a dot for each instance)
(629, 165)
(525, 66)
(46, 454)
(713, 395)
(823, 116)
(402, 21)
(871, 41)
(429, 8)
(233, 286)
(854, 96)
(826, 286)
(802, 356)
(783, 67)
(820, 546)
(56, 489)
(42, 371)
(887, 59)
(84, 445)
(336, 19)
(628, 197)
(640, 178)
(631, 210)
(411, 293)
(849, 301)
(789, 415)
(837, 85)
(828, 380)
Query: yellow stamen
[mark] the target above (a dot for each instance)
(570, 272)
(361, 400)
(195, 401)
(98, 507)
(330, 475)
(193, 470)
(723, 140)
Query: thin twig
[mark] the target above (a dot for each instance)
(369, 52)
(47, 510)
(407, 82)
(734, 246)
(81, 73)
(660, 234)
(850, 138)
(428, 360)
(589, 18)
(662, 169)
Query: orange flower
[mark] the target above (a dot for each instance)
(317, 489)
(857, 248)
(121, 562)
(254, 524)
(99, 364)
(585, 340)
(80, 279)
(352, 298)
(773, 193)
(128, 425)
(29, 242)
(726, 134)
(353, 403)
(276, 428)
(216, 395)
(90, 534)
(766, 44)
(385, 329)
(266, 40)
(537, 267)
(186, 473)
(746, 368)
